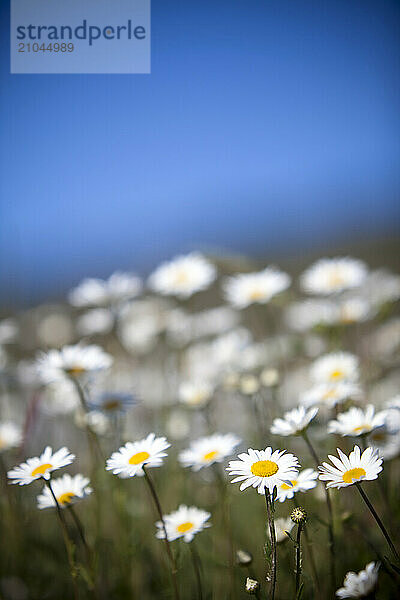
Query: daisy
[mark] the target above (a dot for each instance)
(183, 523)
(183, 276)
(195, 394)
(335, 367)
(263, 469)
(282, 525)
(294, 422)
(208, 450)
(10, 435)
(306, 480)
(130, 459)
(357, 421)
(72, 361)
(41, 467)
(331, 275)
(352, 469)
(67, 490)
(95, 321)
(249, 288)
(100, 292)
(360, 585)
(330, 394)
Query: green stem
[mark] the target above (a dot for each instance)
(153, 494)
(197, 569)
(270, 514)
(311, 556)
(298, 559)
(378, 520)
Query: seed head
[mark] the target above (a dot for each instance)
(298, 515)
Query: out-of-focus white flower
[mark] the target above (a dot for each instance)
(183, 327)
(263, 469)
(141, 322)
(249, 288)
(177, 425)
(184, 523)
(282, 525)
(104, 292)
(348, 470)
(269, 377)
(59, 398)
(330, 394)
(208, 450)
(294, 422)
(380, 287)
(357, 421)
(335, 367)
(113, 402)
(95, 321)
(384, 342)
(304, 315)
(130, 459)
(306, 480)
(42, 466)
(10, 435)
(249, 385)
(55, 329)
(387, 444)
(394, 402)
(352, 310)
(331, 275)
(94, 419)
(72, 361)
(183, 276)
(195, 394)
(67, 490)
(8, 331)
(360, 585)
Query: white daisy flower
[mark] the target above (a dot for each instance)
(59, 398)
(208, 450)
(183, 276)
(282, 525)
(67, 489)
(352, 310)
(72, 361)
(95, 321)
(360, 585)
(335, 367)
(100, 292)
(394, 402)
(95, 420)
(263, 469)
(130, 459)
(331, 275)
(113, 402)
(42, 466)
(294, 421)
(330, 394)
(306, 480)
(195, 394)
(352, 469)
(183, 523)
(10, 435)
(357, 421)
(249, 288)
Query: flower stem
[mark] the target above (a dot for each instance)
(311, 556)
(298, 559)
(270, 514)
(67, 541)
(171, 558)
(330, 513)
(197, 569)
(378, 520)
(93, 440)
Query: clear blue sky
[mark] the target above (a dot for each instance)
(265, 125)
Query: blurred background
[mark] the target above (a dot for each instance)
(267, 127)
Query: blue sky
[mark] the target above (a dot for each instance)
(265, 126)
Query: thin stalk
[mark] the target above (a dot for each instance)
(298, 558)
(197, 569)
(311, 556)
(227, 524)
(93, 440)
(378, 520)
(330, 513)
(171, 558)
(88, 551)
(67, 541)
(270, 514)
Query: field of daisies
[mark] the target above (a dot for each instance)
(214, 432)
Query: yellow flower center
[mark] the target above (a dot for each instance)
(285, 486)
(329, 394)
(264, 468)
(210, 455)
(337, 374)
(336, 278)
(184, 527)
(111, 405)
(139, 457)
(181, 277)
(352, 474)
(41, 469)
(65, 498)
(364, 427)
(256, 294)
(75, 370)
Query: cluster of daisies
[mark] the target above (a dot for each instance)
(216, 353)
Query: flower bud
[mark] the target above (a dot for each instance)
(243, 558)
(252, 585)
(298, 515)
